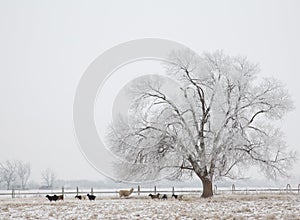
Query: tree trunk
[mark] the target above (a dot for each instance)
(206, 181)
(207, 188)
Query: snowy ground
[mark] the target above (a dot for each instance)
(260, 206)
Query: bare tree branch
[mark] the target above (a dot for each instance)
(218, 120)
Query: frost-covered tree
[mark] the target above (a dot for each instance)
(23, 171)
(216, 120)
(8, 173)
(48, 177)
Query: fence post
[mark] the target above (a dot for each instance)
(77, 190)
(92, 191)
(139, 190)
(13, 193)
(173, 190)
(288, 188)
(63, 191)
(154, 189)
(298, 188)
(233, 188)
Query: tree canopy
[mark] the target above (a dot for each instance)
(215, 119)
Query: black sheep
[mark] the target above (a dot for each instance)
(179, 197)
(91, 197)
(154, 196)
(164, 197)
(175, 196)
(52, 198)
(78, 197)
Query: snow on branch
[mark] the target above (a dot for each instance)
(216, 119)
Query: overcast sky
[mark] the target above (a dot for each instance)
(45, 47)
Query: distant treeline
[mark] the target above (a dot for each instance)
(14, 174)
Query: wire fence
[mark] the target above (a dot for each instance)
(145, 191)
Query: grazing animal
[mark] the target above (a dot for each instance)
(52, 198)
(60, 197)
(125, 193)
(179, 197)
(164, 197)
(175, 196)
(55, 198)
(154, 196)
(91, 197)
(80, 197)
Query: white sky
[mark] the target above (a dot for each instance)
(45, 46)
(113, 95)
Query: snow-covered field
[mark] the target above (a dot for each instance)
(259, 206)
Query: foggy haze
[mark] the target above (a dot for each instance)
(47, 45)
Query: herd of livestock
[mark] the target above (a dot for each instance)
(122, 193)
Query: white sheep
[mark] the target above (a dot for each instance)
(125, 193)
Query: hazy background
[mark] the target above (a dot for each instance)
(45, 46)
